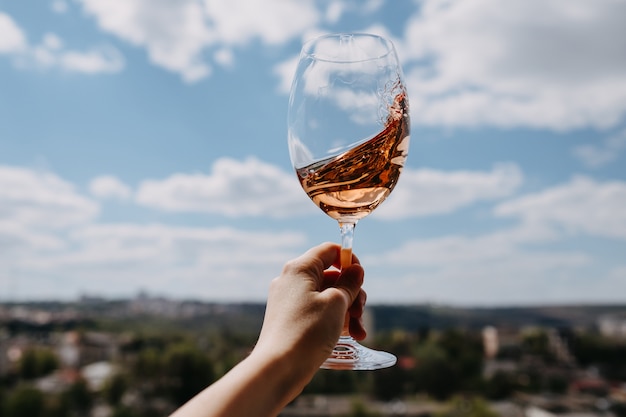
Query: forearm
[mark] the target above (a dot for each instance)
(260, 386)
(306, 307)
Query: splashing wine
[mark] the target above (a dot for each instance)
(349, 186)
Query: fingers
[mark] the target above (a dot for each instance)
(330, 279)
(357, 329)
(356, 309)
(314, 261)
(324, 256)
(327, 253)
(315, 264)
(350, 281)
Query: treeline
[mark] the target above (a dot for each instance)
(160, 366)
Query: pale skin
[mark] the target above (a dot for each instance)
(305, 313)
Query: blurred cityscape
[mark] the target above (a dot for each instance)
(145, 356)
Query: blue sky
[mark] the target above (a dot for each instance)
(143, 147)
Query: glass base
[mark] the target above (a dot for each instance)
(350, 355)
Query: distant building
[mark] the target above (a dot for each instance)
(68, 350)
(495, 340)
(490, 342)
(613, 325)
(97, 374)
(80, 349)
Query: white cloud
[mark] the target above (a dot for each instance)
(272, 21)
(102, 60)
(516, 264)
(12, 39)
(52, 42)
(35, 208)
(594, 156)
(544, 64)
(109, 186)
(53, 247)
(254, 188)
(173, 33)
(178, 35)
(581, 206)
(52, 244)
(334, 11)
(233, 188)
(618, 274)
(285, 71)
(41, 199)
(517, 275)
(117, 243)
(59, 6)
(15, 237)
(119, 259)
(225, 57)
(51, 53)
(338, 8)
(504, 267)
(426, 192)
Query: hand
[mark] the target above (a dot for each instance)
(307, 306)
(305, 314)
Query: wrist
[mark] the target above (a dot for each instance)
(287, 372)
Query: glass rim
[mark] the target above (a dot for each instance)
(389, 47)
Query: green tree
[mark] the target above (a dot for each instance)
(79, 398)
(37, 362)
(464, 350)
(398, 380)
(28, 364)
(359, 409)
(501, 385)
(604, 353)
(536, 342)
(115, 388)
(148, 365)
(188, 370)
(332, 382)
(122, 411)
(449, 362)
(435, 373)
(24, 401)
(391, 383)
(466, 407)
(57, 406)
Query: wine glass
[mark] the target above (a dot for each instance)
(348, 134)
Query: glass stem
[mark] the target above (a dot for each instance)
(347, 235)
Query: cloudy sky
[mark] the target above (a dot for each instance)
(143, 147)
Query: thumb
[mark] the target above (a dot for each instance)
(350, 281)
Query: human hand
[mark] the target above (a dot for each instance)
(307, 306)
(306, 309)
